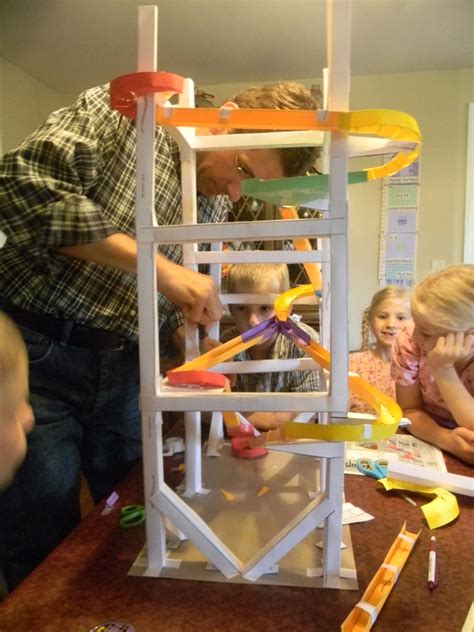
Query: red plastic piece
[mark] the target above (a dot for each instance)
(241, 431)
(205, 379)
(124, 90)
(241, 448)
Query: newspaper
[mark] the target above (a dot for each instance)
(399, 447)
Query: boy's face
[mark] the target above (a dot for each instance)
(16, 420)
(250, 315)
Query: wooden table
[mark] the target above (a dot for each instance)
(84, 581)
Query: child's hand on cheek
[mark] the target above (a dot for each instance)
(463, 444)
(449, 349)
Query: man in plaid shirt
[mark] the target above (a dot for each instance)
(67, 278)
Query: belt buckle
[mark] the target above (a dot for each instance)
(126, 344)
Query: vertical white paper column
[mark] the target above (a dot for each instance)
(338, 32)
(192, 419)
(147, 292)
(338, 78)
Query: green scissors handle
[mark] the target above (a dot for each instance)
(132, 516)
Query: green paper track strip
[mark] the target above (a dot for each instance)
(296, 191)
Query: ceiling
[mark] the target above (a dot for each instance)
(70, 45)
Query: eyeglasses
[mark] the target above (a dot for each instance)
(244, 173)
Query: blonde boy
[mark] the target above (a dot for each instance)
(16, 416)
(266, 279)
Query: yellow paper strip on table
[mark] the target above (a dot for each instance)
(365, 613)
(440, 511)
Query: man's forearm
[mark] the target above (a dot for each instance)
(195, 294)
(118, 251)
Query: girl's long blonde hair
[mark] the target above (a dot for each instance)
(446, 298)
(388, 292)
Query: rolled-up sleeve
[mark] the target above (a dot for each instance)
(45, 184)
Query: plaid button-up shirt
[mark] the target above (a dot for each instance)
(282, 381)
(73, 182)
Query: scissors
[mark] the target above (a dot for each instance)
(132, 516)
(375, 469)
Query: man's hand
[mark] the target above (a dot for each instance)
(449, 349)
(195, 293)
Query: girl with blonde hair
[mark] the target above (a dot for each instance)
(433, 361)
(387, 313)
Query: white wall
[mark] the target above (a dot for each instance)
(25, 103)
(438, 100)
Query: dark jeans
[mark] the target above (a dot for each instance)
(87, 419)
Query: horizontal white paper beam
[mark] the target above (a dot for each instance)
(263, 299)
(266, 366)
(257, 256)
(242, 231)
(259, 140)
(357, 146)
(193, 400)
(316, 449)
(432, 478)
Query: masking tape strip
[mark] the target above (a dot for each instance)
(406, 538)
(395, 570)
(224, 113)
(370, 609)
(172, 563)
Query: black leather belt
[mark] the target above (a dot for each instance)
(67, 332)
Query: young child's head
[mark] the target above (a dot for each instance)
(256, 278)
(16, 416)
(385, 316)
(442, 303)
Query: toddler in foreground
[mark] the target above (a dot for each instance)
(16, 416)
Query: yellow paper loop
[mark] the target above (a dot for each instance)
(440, 511)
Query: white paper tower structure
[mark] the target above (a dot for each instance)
(161, 502)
